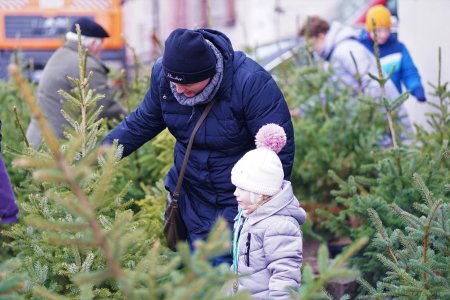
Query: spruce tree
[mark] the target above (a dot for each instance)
(416, 257)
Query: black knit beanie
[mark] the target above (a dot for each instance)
(89, 28)
(187, 57)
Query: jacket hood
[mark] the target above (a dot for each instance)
(220, 40)
(284, 203)
(336, 34)
(223, 44)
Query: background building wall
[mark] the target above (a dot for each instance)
(256, 21)
(260, 22)
(422, 30)
(137, 28)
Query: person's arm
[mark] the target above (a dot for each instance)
(410, 76)
(284, 255)
(263, 104)
(8, 206)
(99, 81)
(142, 124)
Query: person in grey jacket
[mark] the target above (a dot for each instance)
(336, 43)
(267, 240)
(64, 63)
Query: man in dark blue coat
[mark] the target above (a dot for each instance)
(197, 67)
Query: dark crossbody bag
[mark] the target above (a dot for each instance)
(174, 227)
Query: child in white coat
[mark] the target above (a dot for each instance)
(267, 240)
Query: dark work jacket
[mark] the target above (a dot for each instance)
(247, 99)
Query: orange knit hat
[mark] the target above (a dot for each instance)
(381, 15)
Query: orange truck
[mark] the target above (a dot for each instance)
(34, 29)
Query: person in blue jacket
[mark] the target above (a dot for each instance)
(198, 66)
(8, 206)
(393, 53)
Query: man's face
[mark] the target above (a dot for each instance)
(191, 89)
(383, 34)
(96, 47)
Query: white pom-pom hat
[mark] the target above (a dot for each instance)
(260, 171)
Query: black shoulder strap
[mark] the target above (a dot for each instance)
(176, 193)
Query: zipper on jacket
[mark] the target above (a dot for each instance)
(247, 250)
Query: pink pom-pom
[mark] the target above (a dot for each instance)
(271, 136)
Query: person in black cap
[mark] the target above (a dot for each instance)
(64, 63)
(197, 67)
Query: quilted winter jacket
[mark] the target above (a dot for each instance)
(247, 99)
(275, 252)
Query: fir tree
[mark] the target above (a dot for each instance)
(416, 257)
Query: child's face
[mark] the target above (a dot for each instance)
(383, 34)
(243, 198)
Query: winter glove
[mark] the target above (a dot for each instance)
(419, 93)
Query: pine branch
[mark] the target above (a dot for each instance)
(426, 229)
(357, 75)
(400, 272)
(382, 82)
(408, 246)
(20, 127)
(126, 92)
(369, 288)
(379, 225)
(423, 189)
(412, 220)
